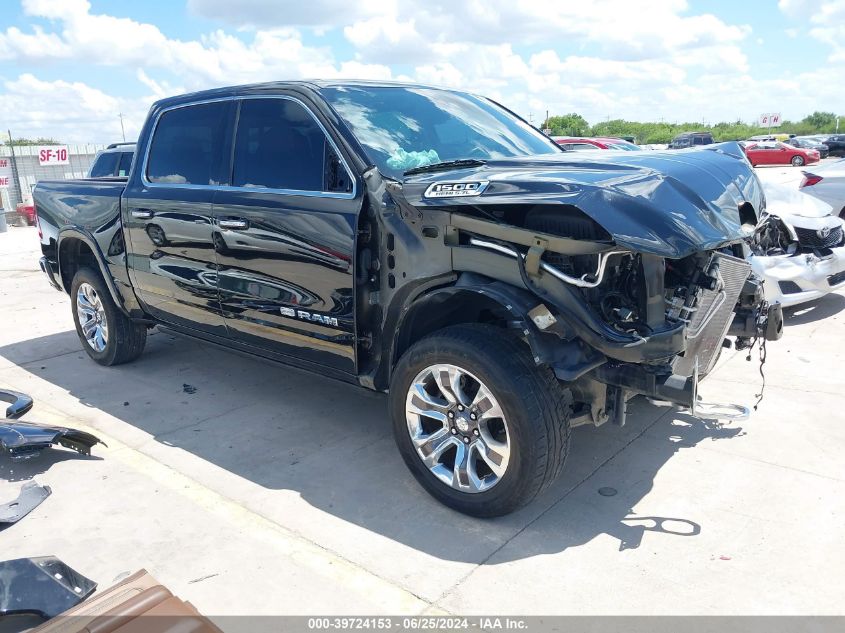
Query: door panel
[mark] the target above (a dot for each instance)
(168, 216)
(286, 280)
(286, 235)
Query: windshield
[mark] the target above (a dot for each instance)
(402, 128)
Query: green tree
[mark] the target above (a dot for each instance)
(821, 121)
(33, 141)
(571, 124)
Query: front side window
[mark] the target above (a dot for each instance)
(401, 127)
(105, 165)
(188, 145)
(279, 145)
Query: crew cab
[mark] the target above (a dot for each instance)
(423, 242)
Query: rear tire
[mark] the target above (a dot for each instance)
(107, 335)
(533, 425)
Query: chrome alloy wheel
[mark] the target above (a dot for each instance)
(92, 317)
(458, 428)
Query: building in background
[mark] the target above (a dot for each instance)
(30, 165)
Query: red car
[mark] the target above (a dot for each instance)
(26, 213)
(775, 153)
(598, 142)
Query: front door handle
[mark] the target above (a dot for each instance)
(142, 214)
(233, 224)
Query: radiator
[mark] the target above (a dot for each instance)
(713, 316)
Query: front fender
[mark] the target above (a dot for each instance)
(558, 347)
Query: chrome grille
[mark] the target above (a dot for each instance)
(713, 317)
(811, 238)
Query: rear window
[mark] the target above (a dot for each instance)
(124, 164)
(105, 165)
(188, 145)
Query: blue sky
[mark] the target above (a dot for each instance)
(70, 66)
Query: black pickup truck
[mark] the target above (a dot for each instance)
(424, 242)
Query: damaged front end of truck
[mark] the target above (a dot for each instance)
(625, 275)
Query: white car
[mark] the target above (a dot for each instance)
(798, 247)
(827, 182)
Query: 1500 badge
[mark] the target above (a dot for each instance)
(456, 189)
(304, 315)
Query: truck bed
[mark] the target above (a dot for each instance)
(90, 204)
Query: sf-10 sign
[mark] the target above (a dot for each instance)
(53, 155)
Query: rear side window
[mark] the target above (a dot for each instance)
(124, 164)
(279, 145)
(105, 165)
(188, 145)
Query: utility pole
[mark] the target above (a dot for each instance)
(122, 131)
(15, 175)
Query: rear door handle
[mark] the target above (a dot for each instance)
(142, 214)
(233, 224)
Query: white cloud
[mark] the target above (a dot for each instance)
(606, 58)
(828, 18)
(71, 111)
(264, 13)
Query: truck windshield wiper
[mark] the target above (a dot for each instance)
(448, 164)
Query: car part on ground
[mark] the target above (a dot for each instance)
(137, 603)
(24, 440)
(29, 498)
(798, 247)
(43, 587)
(19, 403)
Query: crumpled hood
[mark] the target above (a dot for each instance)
(670, 203)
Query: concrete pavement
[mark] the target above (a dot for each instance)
(251, 488)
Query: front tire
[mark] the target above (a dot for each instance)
(107, 335)
(481, 426)
(797, 161)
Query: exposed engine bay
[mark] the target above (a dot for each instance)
(681, 310)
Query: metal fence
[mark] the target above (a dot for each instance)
(27, 171)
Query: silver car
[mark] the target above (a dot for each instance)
(827, 183)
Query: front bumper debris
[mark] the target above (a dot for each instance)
(43, 587)
(24, 440)
(30, 497)
(19, 403)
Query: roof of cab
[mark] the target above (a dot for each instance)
(275, 86)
